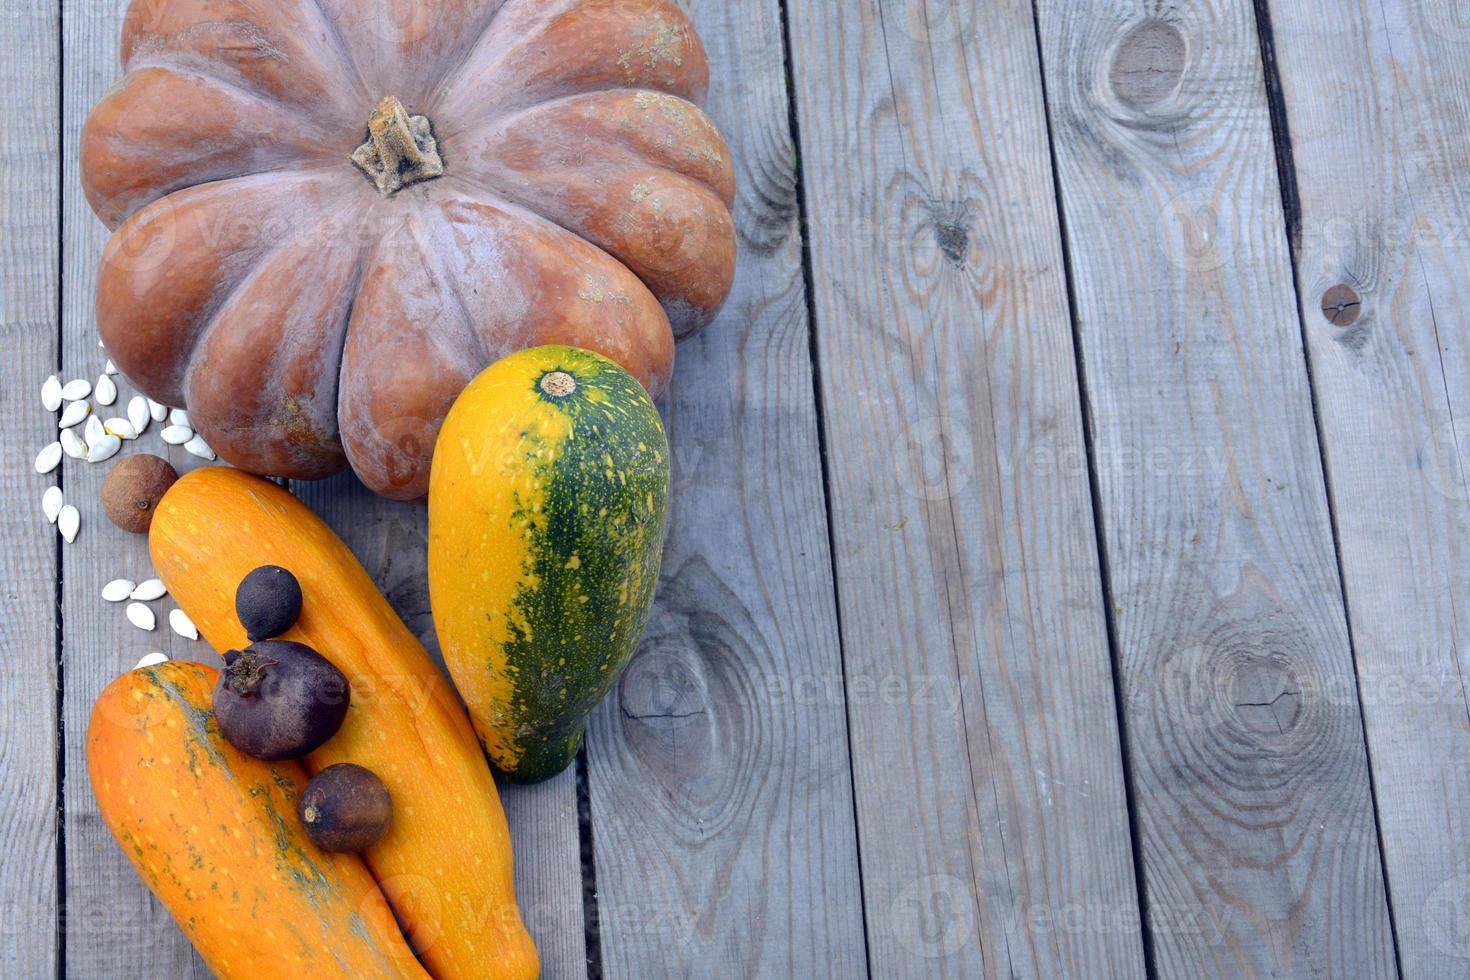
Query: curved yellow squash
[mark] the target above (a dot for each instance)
(445, 864)
(214, 834)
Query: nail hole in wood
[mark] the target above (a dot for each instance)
(1341, 305)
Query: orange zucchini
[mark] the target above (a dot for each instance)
(214, 834)
(445, 864)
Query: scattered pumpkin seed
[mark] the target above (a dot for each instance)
(75, 391)
(177, 435)
(51, 394)
(200, 448)
(111, 368)
(141, 616)
(51, 503)
(104, 448)
(138, 413)
(49, 458)
(121, 428)
(105, 390)
(152, 660)
(182, 625)
(177, 416)
(148, 591)
(117, 590)
(75, 414)
(72, 444)
(159, 412)
(70, 522)
(93, 430)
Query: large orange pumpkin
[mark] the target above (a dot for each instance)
(332, 214)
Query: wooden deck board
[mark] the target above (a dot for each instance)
(114, 927)
(983, 723)
(1253, 803)
(29, 200)
(1378, 115)
(721, 798)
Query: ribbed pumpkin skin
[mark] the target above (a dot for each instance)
(546, 530)
(214, 834)
(445, 864)
(309, 322)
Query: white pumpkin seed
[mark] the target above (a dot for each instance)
(75, 414)
(159, 412)
(51, 503)
(148, 591)
(51, 394)
(141, 616)
(177, 435)
(49, 458)
(105, 448)
(199, 448)
(138, 413)
(105, 391)
(75, 391)
(177, 416)
(117, 590)
(152, 660)
(93, 430)
(111, 368)
(72, 444)
(182, 625)
(121, 428)
(70, 522)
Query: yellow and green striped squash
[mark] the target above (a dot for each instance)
(547, 506)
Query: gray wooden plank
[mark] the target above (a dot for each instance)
(29, 217)
(114, 926)
(1249, 771)
(391, 540)
(721, 794)
(1377, 95)
(991, 803)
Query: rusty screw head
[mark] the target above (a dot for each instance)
(1341, 305)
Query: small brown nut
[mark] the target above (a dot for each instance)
(345, 809)
(133, 489)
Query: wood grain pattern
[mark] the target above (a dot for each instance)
(391, 540)
(1377, 96)
(29, 88)
(986, 752)
(721, 797)
(114, 926)
(1249, 770)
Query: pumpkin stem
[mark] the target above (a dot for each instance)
(245, 672)
(400, 149)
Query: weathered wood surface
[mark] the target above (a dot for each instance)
(721, 795)
(1376, 98)
(1254, 812)
(391, 540)
(985, 750)
(114, 927)
(29, 216)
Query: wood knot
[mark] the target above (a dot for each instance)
(1148, 64)
(1342, 305)
(953, 240)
